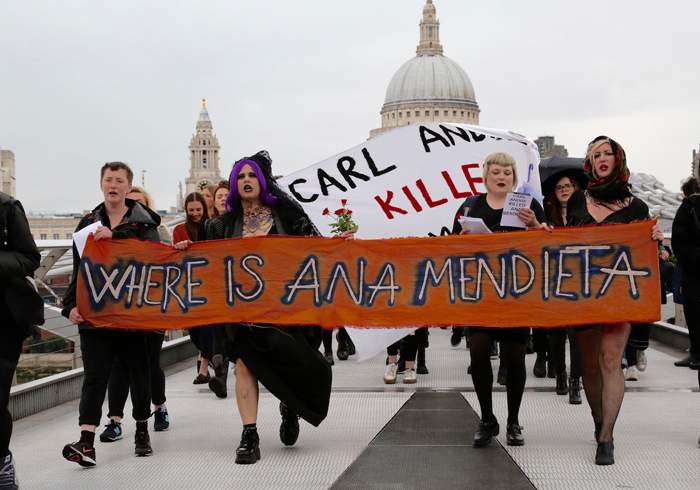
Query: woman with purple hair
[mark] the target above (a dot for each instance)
(285, 360)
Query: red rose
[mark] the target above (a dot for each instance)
(338, 212)
(343, 202)
(349, 212)
(459, 216)
(325, 211)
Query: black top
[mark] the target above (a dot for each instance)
(138, 222)
(577, 212)
(685, 240)
(492, 217)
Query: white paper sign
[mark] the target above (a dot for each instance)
(474, 226)
(514, 203)
(80, 237)
(410, 181)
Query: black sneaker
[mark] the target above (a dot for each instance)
(8, 475)
(113, 432)
(289, 429)
(80, 452)
(161, 420)
(248, 451)
(142, 444)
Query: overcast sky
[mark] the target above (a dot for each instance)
(84, 82)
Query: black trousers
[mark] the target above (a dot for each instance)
(540, 340)
(100, 348)
(119, 385)
(409, 350)
(638, 340)
(10, 349)
(557, 349)
(691, 309)
(203, 339)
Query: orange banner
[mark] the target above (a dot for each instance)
(572, 276)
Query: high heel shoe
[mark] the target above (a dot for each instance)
(605, 454)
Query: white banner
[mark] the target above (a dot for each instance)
(408, 181)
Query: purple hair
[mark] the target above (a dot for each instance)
(233, 200)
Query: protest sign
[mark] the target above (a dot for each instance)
(514, 203)
(571, 276)
(409, 181)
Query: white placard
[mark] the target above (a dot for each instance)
(474, 226)
(80, 237)
(410, 181)
(514, 203)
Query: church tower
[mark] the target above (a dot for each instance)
(204, 156)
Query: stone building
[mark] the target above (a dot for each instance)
(7, 173)
(204, 157)
(549, 149)
(429, 87)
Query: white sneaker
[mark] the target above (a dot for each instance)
(390, 373)
(409, 376)
(641, 360)
(631, 374)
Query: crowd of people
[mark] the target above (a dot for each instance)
(252, 204)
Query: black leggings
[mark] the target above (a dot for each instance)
(557, 349)
(118, 389)
(10, 349)
(409, 349)
(513, 356)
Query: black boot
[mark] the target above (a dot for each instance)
(248, 451)
(343, 347)
(551, 373)
(562, 388)
(575, 391)
(501, 379)
(217, 383)
(540, 369)
(289, 429)
(421, 368)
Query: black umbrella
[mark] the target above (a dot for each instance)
(554, 168)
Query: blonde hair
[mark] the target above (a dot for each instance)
(503, 160)
(149, 200)
(592, 148)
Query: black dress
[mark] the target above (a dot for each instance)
(285, 360)
(492, 219)
(577, 212)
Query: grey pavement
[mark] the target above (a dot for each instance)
(656, 437)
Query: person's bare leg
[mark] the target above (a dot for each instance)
(612, 346)
(247, 394)
(204, 367)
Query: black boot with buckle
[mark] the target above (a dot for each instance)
(575, 391)
(289, 429)
(217, 383)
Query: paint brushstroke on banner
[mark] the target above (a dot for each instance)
(571, 276)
